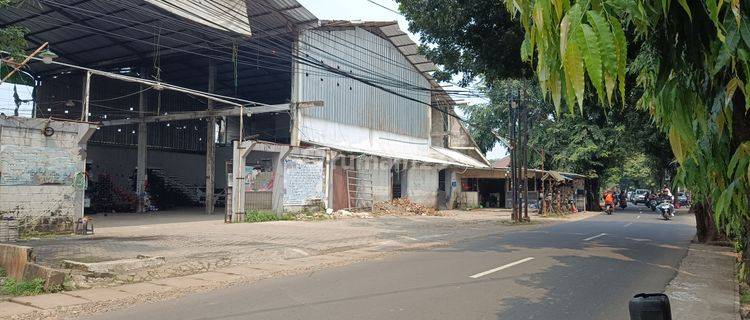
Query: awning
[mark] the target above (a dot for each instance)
(434, 155)
(555, 176)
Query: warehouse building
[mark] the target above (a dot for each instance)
(297, 111)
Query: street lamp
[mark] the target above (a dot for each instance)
(48, 56)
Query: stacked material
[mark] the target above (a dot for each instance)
(8, 229)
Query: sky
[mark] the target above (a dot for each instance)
(323, 9)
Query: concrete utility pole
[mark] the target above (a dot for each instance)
(513, 160)
(142, 162)
(211, 141)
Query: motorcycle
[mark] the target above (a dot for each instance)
(608, 208)
(652, 204)
(623, 203)
(666, 208)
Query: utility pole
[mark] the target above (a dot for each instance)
(513, 160)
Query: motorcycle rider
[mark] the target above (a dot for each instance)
(609, 201)
(623, 199)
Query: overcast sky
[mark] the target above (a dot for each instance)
(323, 9)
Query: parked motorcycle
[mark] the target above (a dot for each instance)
(666, 208)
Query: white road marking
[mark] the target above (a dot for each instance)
(638, 217)
(594, 237)
(627, 225)
(482, 274)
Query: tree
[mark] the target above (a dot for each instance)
(467, 38)
(691, 62)
(588, 146)
(12, 41)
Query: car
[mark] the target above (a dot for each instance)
(682, 199)
(639, 196)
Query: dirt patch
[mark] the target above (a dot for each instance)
(404, 207)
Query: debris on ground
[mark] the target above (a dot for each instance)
(352, 214)
(404, 207)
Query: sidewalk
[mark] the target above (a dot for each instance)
(206, 255)
(705, 287)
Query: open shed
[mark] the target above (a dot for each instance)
(172, 144)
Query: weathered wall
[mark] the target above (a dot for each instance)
(41, 177)
(422, 184)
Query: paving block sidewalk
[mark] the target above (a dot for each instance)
(705, 287)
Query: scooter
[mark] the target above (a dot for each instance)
(608, 208)
(666, 208)
(652, 204)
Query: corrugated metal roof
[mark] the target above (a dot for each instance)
(98, 33)
(392, 32)
(228, 15)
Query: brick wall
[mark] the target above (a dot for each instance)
(37, 172)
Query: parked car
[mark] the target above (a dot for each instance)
(639, 196)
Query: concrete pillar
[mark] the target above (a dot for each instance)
(141, 175)
(210, 142)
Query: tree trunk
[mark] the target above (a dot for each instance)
(704, 223)
(592, 195)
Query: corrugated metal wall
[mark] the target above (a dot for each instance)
(349, 101)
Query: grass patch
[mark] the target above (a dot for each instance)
(12, 287)
(264, 216)
(745, 298)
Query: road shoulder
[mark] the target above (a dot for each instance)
(705, 286)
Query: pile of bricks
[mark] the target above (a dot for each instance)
(8, 229)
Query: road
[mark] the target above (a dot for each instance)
(579, 270)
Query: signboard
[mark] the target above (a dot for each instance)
(303, 180)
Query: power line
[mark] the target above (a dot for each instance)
(384, 7)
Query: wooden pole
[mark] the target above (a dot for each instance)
(211, 141)
(25, 61)
(142, 159)
(86, 96)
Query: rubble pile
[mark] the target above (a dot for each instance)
(403, 207)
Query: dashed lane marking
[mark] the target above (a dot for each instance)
(482, 274)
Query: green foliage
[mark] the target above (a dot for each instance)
(587, 145)
(264, 216)
(22, 288)
(3, 273)
(12, 41)
(691, 67)
(467, 38)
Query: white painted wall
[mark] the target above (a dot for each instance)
(355, 138)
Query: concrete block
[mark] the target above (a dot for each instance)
(52, 278)
(99, 294)
(49, 301)
(115, 266)
(14, 258)
(216, 276)
(8, 309)
(143, 288)
(182, 282)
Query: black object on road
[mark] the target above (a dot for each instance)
(650, 306)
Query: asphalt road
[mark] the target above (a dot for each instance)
(579, 270)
